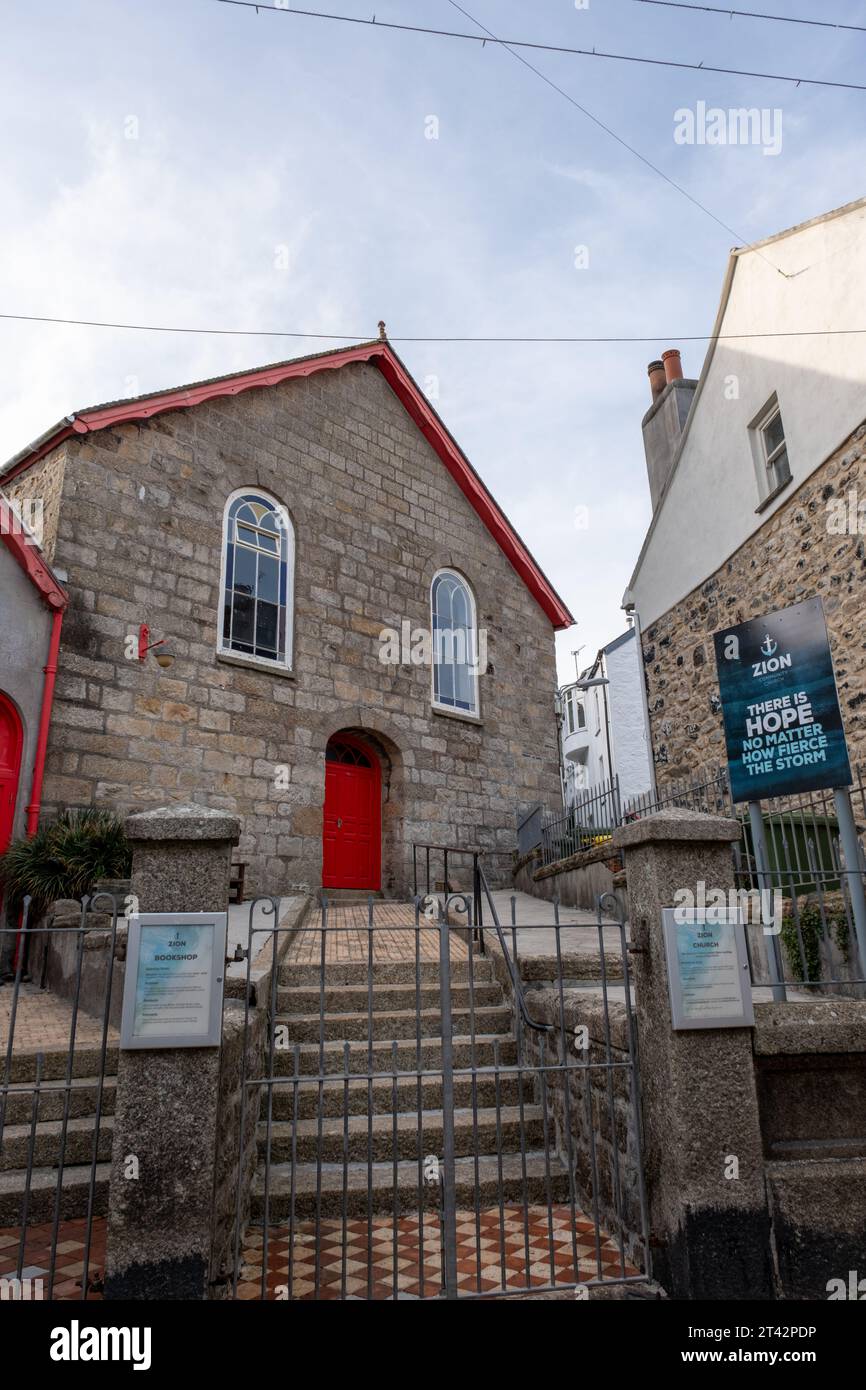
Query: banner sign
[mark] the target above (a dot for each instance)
(708, 969)
(173, 989)
(783, 725)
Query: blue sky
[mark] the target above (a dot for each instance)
(282, 178)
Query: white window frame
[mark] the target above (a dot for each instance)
(283, 664)
(475, 712)
(765, 459)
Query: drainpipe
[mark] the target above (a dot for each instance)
(50, 670)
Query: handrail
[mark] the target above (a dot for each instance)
(516, 983)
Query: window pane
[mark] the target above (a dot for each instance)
(269, 572)
(779, 472)
(242, 623)
(245, 570)
(266, 628)
(463, 692)
(774, 434)
(445, 684)
(247, 535)
(227, 620)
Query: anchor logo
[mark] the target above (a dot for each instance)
(768, 646)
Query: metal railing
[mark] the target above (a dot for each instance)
(806, 865)
(805, 868)
(589, 821)
(58, 1042)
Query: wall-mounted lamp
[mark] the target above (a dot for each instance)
(161, 649)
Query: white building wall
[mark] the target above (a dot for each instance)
(709, 507)
(628, 725)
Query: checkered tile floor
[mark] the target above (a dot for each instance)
(69, 1267)
(498, 1262)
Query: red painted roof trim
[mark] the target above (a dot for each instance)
(26, 554)
(381, 355)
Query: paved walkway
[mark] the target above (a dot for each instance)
(43, 1021)
(347, 936)
(536, 927)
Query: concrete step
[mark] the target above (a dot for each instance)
(85, 1062)
(47, 1136)
(382, 1137)
(526, 1178)
(400, 1023)
(380, 1057)
(43, 1193)
(379, 1098)
(349, 999)
(396, 972)
(82, 1100)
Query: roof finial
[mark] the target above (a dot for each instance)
(382, 334)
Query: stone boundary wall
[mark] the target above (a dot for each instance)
(594, 1110)
(577, 881)
(792, 557)
(237, 1148)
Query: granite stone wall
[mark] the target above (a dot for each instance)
(138, 521)
(797, 554)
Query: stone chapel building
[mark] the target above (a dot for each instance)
(265, 532)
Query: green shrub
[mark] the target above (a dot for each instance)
(812, 931)
(66, 857)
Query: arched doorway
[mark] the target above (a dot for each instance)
(11, 738)
(352, 833)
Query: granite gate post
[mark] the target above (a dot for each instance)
(709, 1220)
(160, 1212)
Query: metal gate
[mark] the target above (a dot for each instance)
(59, 1002)
(428, 1122)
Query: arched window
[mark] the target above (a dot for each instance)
(455, 643)
(257, 574)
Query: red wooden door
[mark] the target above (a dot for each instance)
(10, 766)
(351, 845)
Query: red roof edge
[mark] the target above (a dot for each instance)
(380, 354)
(25, 552)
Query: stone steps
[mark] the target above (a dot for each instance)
(528, 1178)
(41, 1206)
(409, 1055)
(377, 1098)
(47, 1136)
(400, 1023)
(385, 972)
(361, 1141)
(355, 999)
(82, 1100)
(85, 1063)
(404, 1134)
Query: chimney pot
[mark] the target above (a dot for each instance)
(657, 378)
(672, 365)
